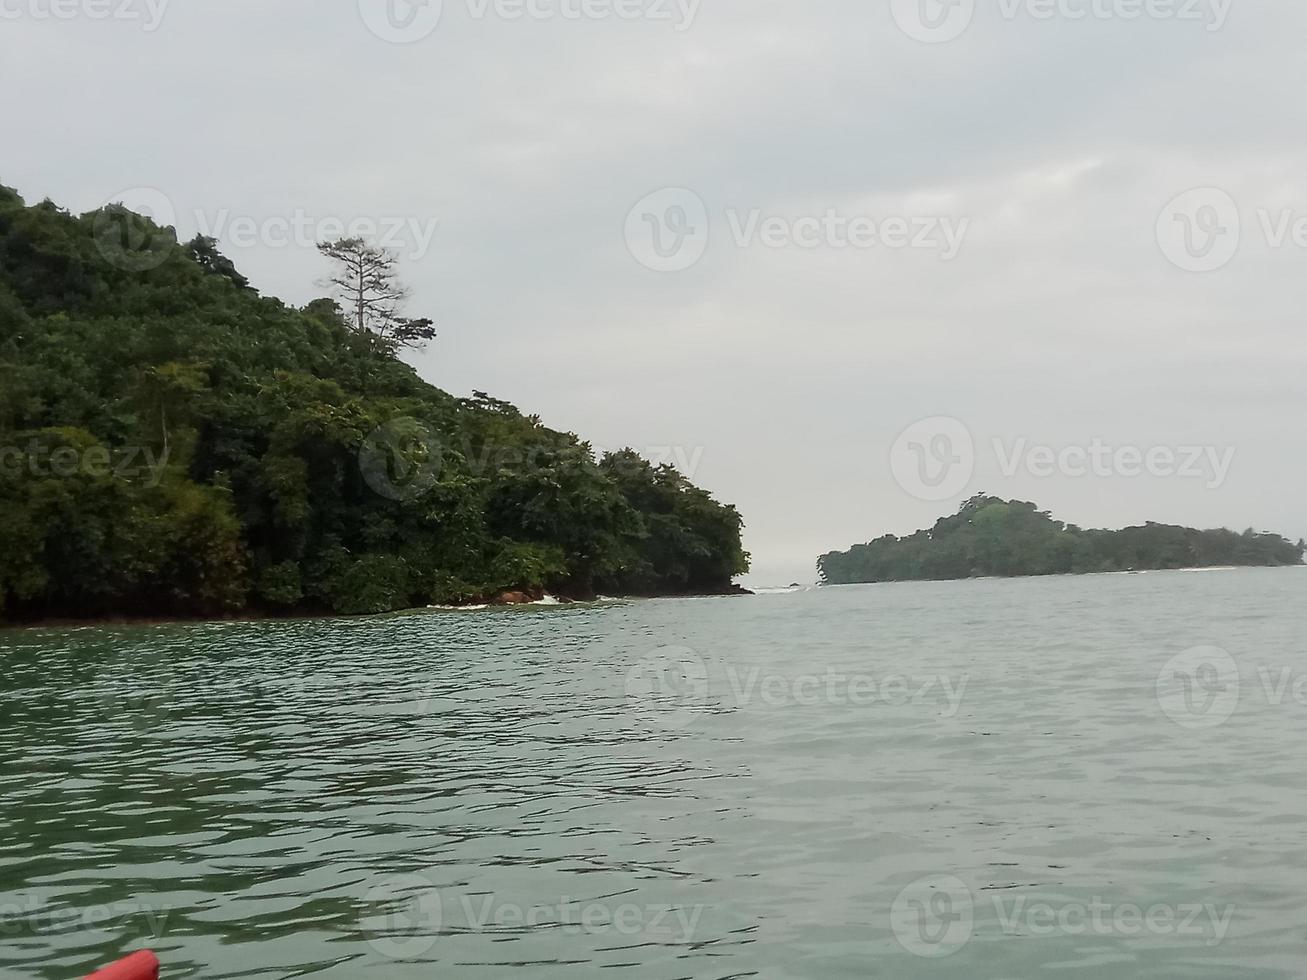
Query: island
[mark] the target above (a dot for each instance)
(990, 536)
(173, 444)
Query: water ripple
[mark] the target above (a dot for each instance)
(961, 779)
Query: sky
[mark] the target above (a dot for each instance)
(847, 263)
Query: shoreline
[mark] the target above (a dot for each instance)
(561, 602)
(1052, 575)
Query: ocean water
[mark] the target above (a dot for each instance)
(1094, 777)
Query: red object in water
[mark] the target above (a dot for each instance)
(138, 966)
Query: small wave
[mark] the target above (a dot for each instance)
(548, 600)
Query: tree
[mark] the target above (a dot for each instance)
(366, 283)
(204, 251)
(176, 444)
(990, 536)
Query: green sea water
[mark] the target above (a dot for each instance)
(1094, 777)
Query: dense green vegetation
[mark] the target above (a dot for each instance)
(173, 443)
(989, 536)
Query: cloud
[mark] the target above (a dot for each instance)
(1060, 141)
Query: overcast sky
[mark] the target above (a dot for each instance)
(853, 260)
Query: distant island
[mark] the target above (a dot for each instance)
(989, 536)
(174, 444)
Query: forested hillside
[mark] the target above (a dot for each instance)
(172, 443)
(989, 536)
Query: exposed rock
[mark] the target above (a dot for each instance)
(516, 598)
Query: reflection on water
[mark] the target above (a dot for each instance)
(959, 779)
